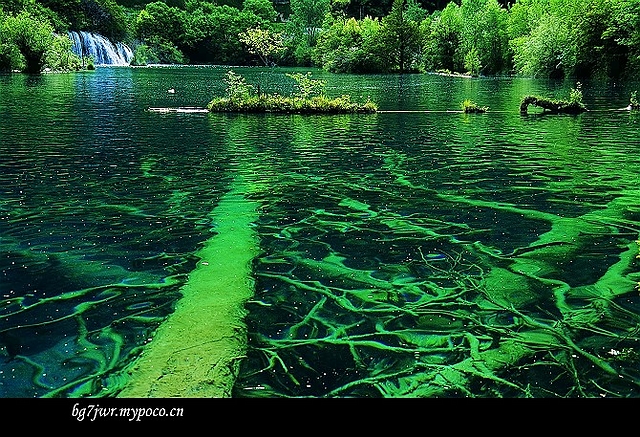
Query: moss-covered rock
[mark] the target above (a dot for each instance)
(554, 106)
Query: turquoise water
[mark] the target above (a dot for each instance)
(426, 253)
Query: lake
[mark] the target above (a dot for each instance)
(415, 252)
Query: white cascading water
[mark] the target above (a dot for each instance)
(100, 49)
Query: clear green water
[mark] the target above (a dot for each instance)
(401, 254)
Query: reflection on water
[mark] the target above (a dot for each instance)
(401, 254)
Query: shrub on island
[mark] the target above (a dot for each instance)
(470, 107)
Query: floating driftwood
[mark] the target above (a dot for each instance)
(180, 109)
(448, 73)
(555, 106)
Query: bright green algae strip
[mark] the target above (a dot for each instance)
(196, 352)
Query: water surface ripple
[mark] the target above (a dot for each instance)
(402, 254)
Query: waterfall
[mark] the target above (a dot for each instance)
(100, 49)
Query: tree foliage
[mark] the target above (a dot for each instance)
(543, 38)
(264, 43)
(443, 37)
(623, 29)
(261, 8)
(30, 38)
(106, 17)
(307, 87)
(589, 38)
(350, 46)
(547, 51)
(401, 39)
(304, 26)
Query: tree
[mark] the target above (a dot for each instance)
(161, 29)
(549, 51)
(105, 17)
(400, 38)
(211, 33)
(60, 56)
(263, 42)
(32, 36)
(261, 8)
(443, 39)
(306, 86)
(350, 46)
(589, 20)
(304, 26)
(69, 11)
(9, 53)
(484, 29)
(623, 28)
(161, 21)
(237, 87)
(472, 62)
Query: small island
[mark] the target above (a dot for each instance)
(309, 98)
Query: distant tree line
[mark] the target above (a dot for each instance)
(542, 38)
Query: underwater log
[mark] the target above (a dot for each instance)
(197, 351)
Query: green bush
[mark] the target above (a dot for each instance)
(306, 86)
(60, 57)
(156, 50)
(32, 37)
(144, 55)
(575, 95)
(237, 87)
(470, 107)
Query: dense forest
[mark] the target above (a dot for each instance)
(540, 38)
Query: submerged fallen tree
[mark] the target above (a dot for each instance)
(197, 351)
